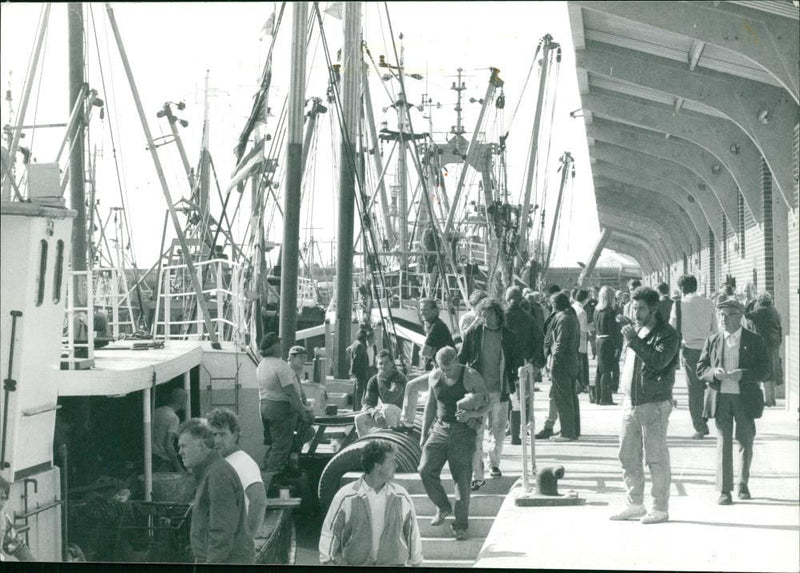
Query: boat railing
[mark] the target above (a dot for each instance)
(112, 297)
(179, 317)
(404, 288)
(79, 340)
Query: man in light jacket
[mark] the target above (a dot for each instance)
(372, 521)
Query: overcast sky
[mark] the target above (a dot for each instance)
(171, 45)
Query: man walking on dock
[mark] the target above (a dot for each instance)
(448, 435)
(694, 317)
(372, 521)
(732, 364)
(647, 378)
(491, 350)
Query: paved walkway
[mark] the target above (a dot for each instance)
(762, 534)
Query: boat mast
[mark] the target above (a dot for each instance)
(344, 238)
(205, 173)
(567, 169)
(290, 248)
(547, 46)
(76, 159)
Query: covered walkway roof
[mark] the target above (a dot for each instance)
(681, 101)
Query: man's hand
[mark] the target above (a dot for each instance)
(628, 332)
(719, 373)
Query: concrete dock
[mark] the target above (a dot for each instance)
(762, 534)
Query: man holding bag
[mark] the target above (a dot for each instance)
(732, 364)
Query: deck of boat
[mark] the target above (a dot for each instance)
(119, 369)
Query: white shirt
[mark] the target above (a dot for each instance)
(628, 367)
(247, 470)
(584, 324)
(730, 359)
(377, 507)
(698, 319)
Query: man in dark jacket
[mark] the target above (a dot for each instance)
(647, 378)
(561, 342)
(529, 339)
(219, 518)
(490, 349)
(731, 364)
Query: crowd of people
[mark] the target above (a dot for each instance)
(728, 346)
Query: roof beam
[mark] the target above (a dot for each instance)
(769, 41)
(672, 231)
(642, 250)
(708, 205)
(695, 215)
(663, 169)
(623, 245)
(660, 238)
(623, 197)
(719, 137)
(744, 102)
(695, 158)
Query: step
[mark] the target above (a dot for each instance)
(449, 563)
(479, 526)
(486, 505)
(449, 548)
(413, 484)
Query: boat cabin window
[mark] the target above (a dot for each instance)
(42, 272)
(58, 272)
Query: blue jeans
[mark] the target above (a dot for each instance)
(643, 436)
(453, 443)
(495, 419)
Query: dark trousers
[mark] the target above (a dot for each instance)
(358, 393)
(453, 443)
(562, 391)
(280, 423)
(730, 411)
(696, 389)
(606, 357)
(583, 375)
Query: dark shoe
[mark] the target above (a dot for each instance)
(698, 436)
(440, 516)
(477, 484)
(725, 498)
(461, 534)
(496, 473)
(544, 434)
(744, 492)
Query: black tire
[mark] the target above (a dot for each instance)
(349, 459)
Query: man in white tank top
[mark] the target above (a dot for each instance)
(225, 427)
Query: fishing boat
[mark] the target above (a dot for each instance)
(95, 345)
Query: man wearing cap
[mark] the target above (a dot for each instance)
(384, 398)
(281, 405)
(731, 364)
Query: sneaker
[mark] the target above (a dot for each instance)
(496, 473)
(630, 512)
(560, 438)
(725, 498)
(544, 434)
(744, 492)
(440, 516)
(461, 534)
(477, 484)
(655, 516)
